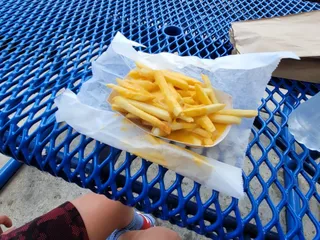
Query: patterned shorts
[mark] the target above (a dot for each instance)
(62, 223)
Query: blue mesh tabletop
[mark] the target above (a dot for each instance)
(47, 45)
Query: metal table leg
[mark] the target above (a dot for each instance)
(8, 170)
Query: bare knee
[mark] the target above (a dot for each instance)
(101, 215)
(97, 202)
(166, 233)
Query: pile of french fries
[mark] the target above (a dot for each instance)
(175, 106)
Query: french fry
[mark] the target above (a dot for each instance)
(239, 113)
(206, 80)
(211, 94)
(192, 88)
(186, 105)
(147, 85)
(117, 108)
(184, 93)
(156, 131)
(130, 94)
(125, 104)
(206, 123)
(189, 80)
(160, 104)
(201, 132)
(175, 93)
(134, 74)
(188, 100)
(173, 104)
(131, 116)
(207, 142)
(224, 119)
(158, 94)
(146, 73)
(181, 125)
(177, 82)
(154, 111)
(185, 118)
(185, 136)
(203, 110)
(130, 85)
(201, 95)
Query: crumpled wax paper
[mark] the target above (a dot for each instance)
(244, 77)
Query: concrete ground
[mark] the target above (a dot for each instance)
(32, 193)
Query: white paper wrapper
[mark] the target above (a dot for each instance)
(244, 77)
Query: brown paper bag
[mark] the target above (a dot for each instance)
(298, 33)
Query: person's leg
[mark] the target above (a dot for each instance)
(155, 233)
(102, 216)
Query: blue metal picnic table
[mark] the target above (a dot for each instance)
(47, 45)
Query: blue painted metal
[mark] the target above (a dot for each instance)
(8, 170)
(293, 198)
(47, 45)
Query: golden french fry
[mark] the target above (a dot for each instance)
(125, 104)
(175, 93)
(154, 111)
(186, 105)
(160, 104)
(206, 123)
(147, 85)
(158, 94)
(181, 125)
(188, 100)
(146, 73)
(185, 118)
(157, 131)
(185, 136)
(211, 94)
(201, 132)
(206, 80)
(173, 104)
(189, 80)
(134, 74)
(130, 94)
(177, 82)
(224, 119)
(131, 116)
(207, 141)
(128, 85)
(201, 95)
(192, 88)
(117, 108)
(203, 110)
(239, 113)
(184, 93)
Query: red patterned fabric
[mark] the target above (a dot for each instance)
(62, 223)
